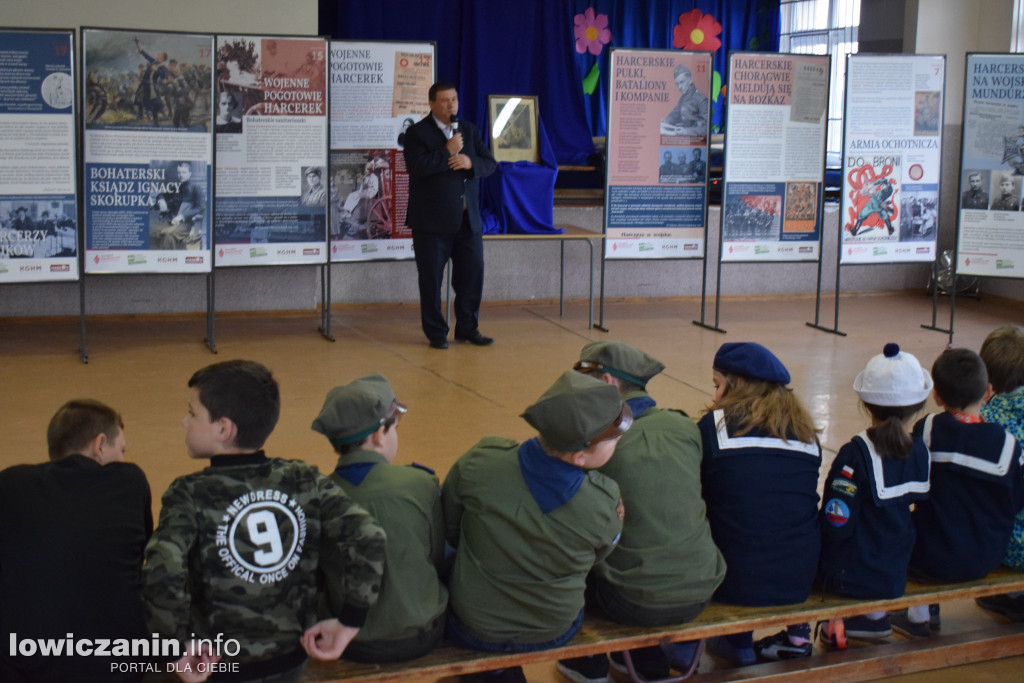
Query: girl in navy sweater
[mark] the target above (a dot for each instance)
(759, 477)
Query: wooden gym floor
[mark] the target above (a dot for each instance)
(140, 366)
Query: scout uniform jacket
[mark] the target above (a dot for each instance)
(977, 489)
(520, 572)
(762, 498)
(666, 556)
(406, 502)
(867, 532)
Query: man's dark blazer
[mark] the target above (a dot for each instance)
(435, 191)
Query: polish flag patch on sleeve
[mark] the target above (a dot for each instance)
(847, 472)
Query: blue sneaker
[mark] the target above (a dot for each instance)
(863, 628)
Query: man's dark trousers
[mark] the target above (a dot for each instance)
(466, 252)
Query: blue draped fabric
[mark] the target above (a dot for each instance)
(518, 198)
(528, 48)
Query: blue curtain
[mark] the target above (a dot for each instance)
(528, 48)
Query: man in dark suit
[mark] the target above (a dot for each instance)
(446, 158)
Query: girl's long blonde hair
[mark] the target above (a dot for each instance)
(751, 404)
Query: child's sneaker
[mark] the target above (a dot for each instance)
(779, 647)
(593, 669)
(833, 634)
(650, 664)
(1010, 606)
(863, 628)
(901, 623)
(737, 656)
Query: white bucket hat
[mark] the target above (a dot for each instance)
(893, 378)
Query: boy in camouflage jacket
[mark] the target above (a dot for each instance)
(241, 545)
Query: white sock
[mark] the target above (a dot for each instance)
(919, 614)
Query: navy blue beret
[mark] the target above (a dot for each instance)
(749, 359)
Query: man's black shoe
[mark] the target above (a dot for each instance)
(439, 343)
(476, 339)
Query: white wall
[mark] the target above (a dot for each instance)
(298, 17)
(954, 28)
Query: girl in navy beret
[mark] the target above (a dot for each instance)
(760, 482)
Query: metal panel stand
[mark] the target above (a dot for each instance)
(82, 352)
(704, 277)
(817, 303)
(211, 331)
(325, 301)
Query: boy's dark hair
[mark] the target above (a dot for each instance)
(1003, 353)
(889, 436)
(346, 448)
(960, 378)
(243, 391)
(438, 87)
(77, 423)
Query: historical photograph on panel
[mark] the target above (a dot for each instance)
(927, 112)
(361, 194)
(178, 206)
(752, 217)
(38, 228)
(920, 216)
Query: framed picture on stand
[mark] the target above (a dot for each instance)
(514, 127)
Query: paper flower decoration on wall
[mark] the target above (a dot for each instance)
(592, 32)
(695, 31)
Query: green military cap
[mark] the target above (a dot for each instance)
(578, 411)
(619, 360)
(355, 410)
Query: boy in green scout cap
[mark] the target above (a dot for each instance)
(360, 419)
(529, 522)
(666, 566)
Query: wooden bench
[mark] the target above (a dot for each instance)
(600, 635)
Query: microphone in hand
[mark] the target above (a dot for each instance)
(455, 142)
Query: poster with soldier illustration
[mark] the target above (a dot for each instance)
(891, 158)
(148, 151)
